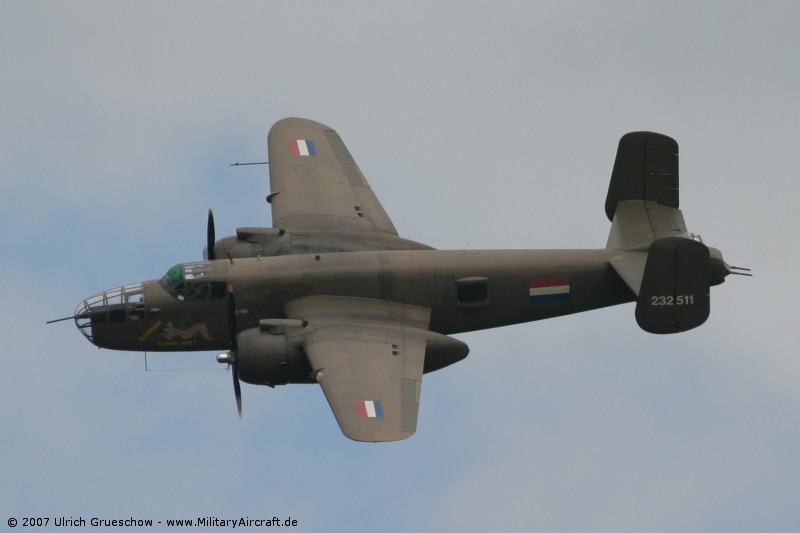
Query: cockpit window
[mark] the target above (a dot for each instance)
(189, 281)
(175, 273)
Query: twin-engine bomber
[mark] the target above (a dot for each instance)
(331, 294)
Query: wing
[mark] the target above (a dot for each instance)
(368, 357)
(315, 183)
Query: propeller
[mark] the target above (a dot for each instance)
(210, 237)
(233, 354)
(232, 357)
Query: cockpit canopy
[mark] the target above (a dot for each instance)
(190, 281)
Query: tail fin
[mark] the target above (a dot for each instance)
(675, 291)
(667, 268)
(646, 169)
(642, 200)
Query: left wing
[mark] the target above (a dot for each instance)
(368, 356)
(316, 184)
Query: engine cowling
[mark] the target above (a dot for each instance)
(268, 242)
(267, 358)
(442, 351)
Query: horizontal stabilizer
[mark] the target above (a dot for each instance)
(637, 223)
(674, 294)
(630, 267)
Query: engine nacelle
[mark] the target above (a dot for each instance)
(442, 351)
(266, 358)
(268, 242)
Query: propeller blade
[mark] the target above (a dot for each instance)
(237, 388)
(232, 318)
(210, 237)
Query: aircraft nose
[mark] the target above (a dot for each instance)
(83, 319)
(114, 306)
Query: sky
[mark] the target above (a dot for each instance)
(479, 125)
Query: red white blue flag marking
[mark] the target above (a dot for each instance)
(370, 409)
(303, 147)
(549, 290)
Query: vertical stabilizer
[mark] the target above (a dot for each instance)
(667, 268)
(674, 294)
(646, 168)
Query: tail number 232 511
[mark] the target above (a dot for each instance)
(683, 299)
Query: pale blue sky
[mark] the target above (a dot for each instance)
(492, 125)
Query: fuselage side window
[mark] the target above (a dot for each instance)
(472, 292)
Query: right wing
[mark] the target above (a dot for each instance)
(371, 378)
(368, 356)
(316, 184)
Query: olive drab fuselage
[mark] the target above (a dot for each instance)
(331, 294)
